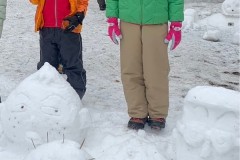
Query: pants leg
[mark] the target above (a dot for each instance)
(48, 48)
(71, 56)
(132, 70)
(156, 69)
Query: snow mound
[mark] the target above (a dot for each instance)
(209, 128)
(57, 150)
(236, 38)
(212, 35)
(44, 107)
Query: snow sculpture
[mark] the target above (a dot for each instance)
(190, 18)
(57, 150)
(231, 8)
(209, 128)
(44, 107)
(228, 21)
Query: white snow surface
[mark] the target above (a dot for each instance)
(195, 62)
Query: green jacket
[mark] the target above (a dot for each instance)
(3, 4)
(146, 11)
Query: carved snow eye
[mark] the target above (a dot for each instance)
(193, 137)
(229, 119)
(222, 137)
(51, 111)
(20, 103)
(222, 141)
(197, 114)
(22, 107)
(50, 105)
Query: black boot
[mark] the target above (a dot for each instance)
(137, 123)
(156, 123)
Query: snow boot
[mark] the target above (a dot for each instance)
(156, 123)
(137, 123)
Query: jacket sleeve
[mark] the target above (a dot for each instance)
(175, 10)
(3, 4)
(35, 2)
(82, 6)
(112, 8)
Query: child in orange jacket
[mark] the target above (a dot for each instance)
(59, 23)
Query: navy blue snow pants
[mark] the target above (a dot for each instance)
(55, 43)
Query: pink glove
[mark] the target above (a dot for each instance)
(113, 29)
(174, 34)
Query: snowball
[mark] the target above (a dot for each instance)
(212, 35)
(57, 150)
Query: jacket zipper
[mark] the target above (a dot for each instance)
(55, 9)
(141, 14)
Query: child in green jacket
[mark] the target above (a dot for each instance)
(144, 37)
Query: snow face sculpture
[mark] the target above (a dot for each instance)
(57, 150)
(44, 107)
(231, 8)
(209, 128)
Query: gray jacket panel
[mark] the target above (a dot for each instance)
(3, 4)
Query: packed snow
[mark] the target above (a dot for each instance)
(195, 62)
(209, 128)
(212, 35)
(44, 107)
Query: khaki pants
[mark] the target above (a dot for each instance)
(145, 69)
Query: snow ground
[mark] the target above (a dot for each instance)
(195, 62)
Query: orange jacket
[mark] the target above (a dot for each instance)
(76, 6)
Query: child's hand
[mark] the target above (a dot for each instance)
(113, 29)
(74, 21)
(174, 34)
